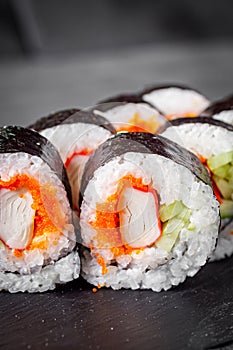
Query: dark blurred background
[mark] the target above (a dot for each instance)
(60, 53)
(73, 26)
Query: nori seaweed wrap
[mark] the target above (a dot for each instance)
(37, 238)
(143, 197)
(221, 110)
(212, 141)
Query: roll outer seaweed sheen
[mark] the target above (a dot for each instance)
(221, 110)
(169, 100)
(76, 134)
(212, 141)
(37, 238)
(149, 217)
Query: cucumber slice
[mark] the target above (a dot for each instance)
(230, 175)
(221, 159)
(222, 171)
(168, 241)
(171, 231)
(223, 186)
(226, 209)
(184, 215)
(191, 227)
(172, 225)
(167, 212)
(177, 216)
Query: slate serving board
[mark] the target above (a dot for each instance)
(195, 315)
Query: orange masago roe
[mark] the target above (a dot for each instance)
(48, 214)
(84, 152)
(107, 221)
(138, 124)
(183, 115)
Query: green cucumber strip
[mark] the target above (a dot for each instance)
(174, 217)
(184, 215)
(167, 212)
(226, 209)
(230, 175)
(222, 171)
(221, 159)
(224, 187)
(191, 227)
(172, 225)
(167, 242)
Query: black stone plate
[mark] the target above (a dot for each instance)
(197, 314)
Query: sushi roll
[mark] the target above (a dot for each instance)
(76, 134)
(212, 141)
(131, 116)
(175, 101)
(149, 217)
(125, 97)
(221, 110)
(37, 238)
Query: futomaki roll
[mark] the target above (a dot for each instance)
(125, 97)
(221, 110)
(149, 217)
(37, 238)
(175, 101)
(76, 134)
(212, 141)
(131, 116)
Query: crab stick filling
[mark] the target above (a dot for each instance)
(139, 124)
(29, 213)
(75, 165)
(81, 153)
(128, 220)
(16, 211)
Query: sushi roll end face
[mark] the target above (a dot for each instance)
(148, 110)
(76, 134)
(176, 101)
(37, 238)
(142, 214)
(212, 141)
(131, 116)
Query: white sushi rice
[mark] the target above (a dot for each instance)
(206, 140)
(123, 115)
(70, 138)
(32, 261)
(62, 271)
(177, 101)
(200, 138)
(151, 268)
(75, 138)
(225, 116)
